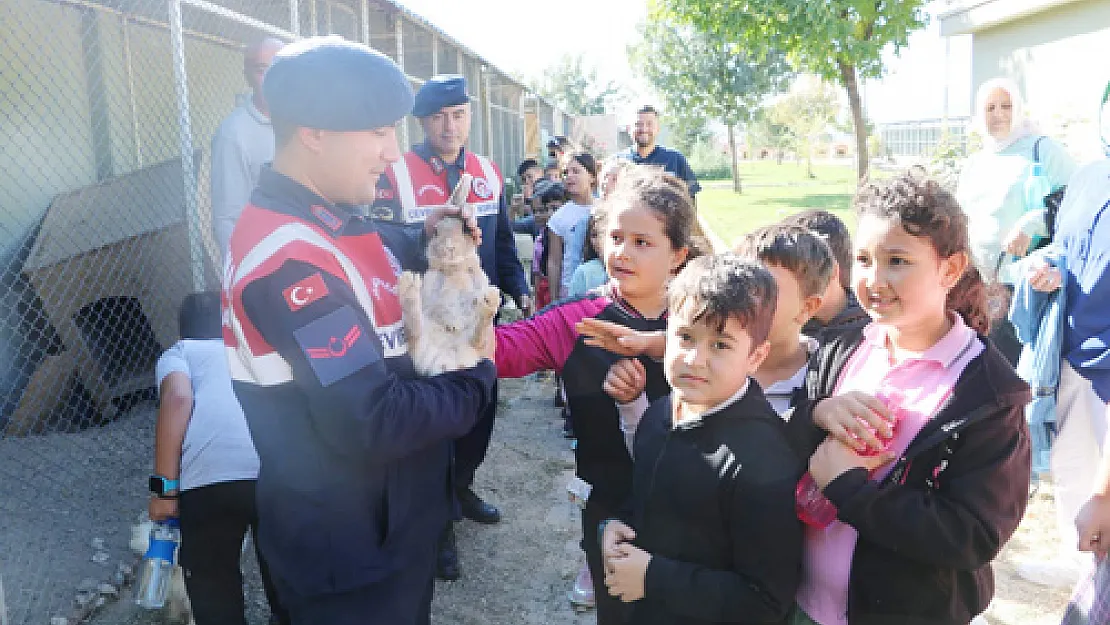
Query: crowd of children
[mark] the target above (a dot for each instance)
(926, 490)
(706, 391)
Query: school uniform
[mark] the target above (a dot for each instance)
(913, 542)
(713, 503)
(549, 341)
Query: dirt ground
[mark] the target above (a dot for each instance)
(518, 572)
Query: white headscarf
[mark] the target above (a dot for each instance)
(1020, 126)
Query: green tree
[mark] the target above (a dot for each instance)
(765, 132)
(808, 111)
(839, 40)
(700, 74)
(576, 89)
(688, 128)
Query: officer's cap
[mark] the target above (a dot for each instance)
(438, 92)
(330, 83)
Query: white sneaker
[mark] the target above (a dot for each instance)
(1055, 573)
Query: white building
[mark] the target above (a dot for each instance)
(1056, 50)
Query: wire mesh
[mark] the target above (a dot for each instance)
(105, 226)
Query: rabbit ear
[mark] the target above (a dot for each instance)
(462, 189)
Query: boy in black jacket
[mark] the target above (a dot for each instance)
(713, 536)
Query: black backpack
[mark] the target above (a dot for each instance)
(1052, 201)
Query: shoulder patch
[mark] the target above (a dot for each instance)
(327, 218)
(337, 345)
(305, 292)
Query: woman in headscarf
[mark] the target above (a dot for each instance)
(1003, 193)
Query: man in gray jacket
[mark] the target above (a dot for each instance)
(242, 144)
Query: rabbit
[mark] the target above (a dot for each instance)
(449, 310)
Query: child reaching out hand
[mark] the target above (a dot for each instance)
(711, 535)
(647, 240)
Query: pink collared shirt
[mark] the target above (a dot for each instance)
(927, 381)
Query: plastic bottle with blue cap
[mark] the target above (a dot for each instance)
(158, 563)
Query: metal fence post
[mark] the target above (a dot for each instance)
(398, 29)
(3, 605)
(364, 15)
(487, 98)
(185, 134)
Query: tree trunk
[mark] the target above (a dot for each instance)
(809, 160)
(850, 81)
(732, 151)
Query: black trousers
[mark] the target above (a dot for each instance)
(470, 450)
(214, 521)
(609, 609)
(404, 598)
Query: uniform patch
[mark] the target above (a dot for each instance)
(383, 213)
(337, 345)
(430, 188)
(305, 292)
(384, 194)
(481, 188)
(327, 218)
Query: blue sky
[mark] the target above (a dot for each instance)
(527, 40)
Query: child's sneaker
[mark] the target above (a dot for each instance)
(581, 595)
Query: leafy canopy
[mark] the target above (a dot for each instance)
(576, 88)
(701, 74)
(818, 36)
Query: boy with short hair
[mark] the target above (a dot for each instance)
(712, 535)
(839, 309)
(802, 265)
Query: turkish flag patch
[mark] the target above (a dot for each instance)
(305, 292)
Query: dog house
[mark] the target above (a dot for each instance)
(111, 265)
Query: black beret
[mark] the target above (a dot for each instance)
(438, 92)
(330, 83)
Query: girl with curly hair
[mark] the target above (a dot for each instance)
(930, 482)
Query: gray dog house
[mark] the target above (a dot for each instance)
(111, 265)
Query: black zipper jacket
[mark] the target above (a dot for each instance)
(713, 502)
(928, 532)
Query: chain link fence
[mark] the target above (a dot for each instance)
(107, 109)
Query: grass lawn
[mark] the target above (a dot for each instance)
(772, 191)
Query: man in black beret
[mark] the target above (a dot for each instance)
(354, 447)
(416, 185)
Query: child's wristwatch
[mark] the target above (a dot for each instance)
(162, 486)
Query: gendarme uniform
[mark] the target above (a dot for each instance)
(422, 181)
(354, 448)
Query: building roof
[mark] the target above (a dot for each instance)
(970, 16)
(96, 216)
(439, 32)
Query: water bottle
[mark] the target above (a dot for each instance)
(811, 505)
(157, 565)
